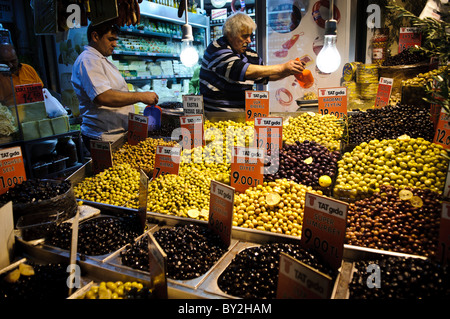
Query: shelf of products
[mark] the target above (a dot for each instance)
(148, 54)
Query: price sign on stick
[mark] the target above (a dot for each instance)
(143, 196)
(333, 101)
(192, 128)
(444, 235)
(101, 155)
(12, 168)
(29, 93)
(297, 280)
(384, 92)
(221, 205)
(193, 104)
(442, 135)
(323, 229)
(409, 37)
(247, 168)
(256, 104)
(269, 133)
(167, 160)
(137, 128)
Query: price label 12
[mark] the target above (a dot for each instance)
(137, 128)
(221, 206)
(167, 160)
(333, 101)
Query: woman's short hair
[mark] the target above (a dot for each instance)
(102, 29)
(236, 22)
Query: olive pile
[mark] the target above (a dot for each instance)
(117, 185)
(47, 282)
(304, 162)
(253, 272)
(274, 206)
(179, 194)
(406, 57)
(403, 162)
(324, 129)
(35, 190)
(97, 236)
(423, 78)
(141, 155)
(400, 278)
(390, 122)
(191, 251)
(118, 290)
(405, 221)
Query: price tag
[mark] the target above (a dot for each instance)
(384, 92)
(269, 133)
(73, 250)
(192, 131)
(143, 196)
(221, 206)
(167, 160)
(193, 104)
(29, 93)
(297, 280)
(101, 155)
(247, 168)
(157, 267)
(442, 134)
(409, 37)
(444, 235)
(333, 101)
(256, 104)
(12, 168)
(137, 128)
(324, 222)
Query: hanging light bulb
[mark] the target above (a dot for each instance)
(329, 59)
(189, 55)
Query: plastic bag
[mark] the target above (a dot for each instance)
(52, 105)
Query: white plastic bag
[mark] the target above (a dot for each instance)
(52, 105)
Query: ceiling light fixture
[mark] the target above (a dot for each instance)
(329, 59)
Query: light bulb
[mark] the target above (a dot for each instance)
(329, 59)
(189, 55)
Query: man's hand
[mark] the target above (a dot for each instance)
(149, 98)
(292, 67)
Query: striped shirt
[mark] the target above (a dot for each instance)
(222, 75)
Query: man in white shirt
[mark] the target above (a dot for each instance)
(103, 94)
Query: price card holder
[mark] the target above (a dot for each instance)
(29, 93)
(73, 252)
(384, 92)
(157, 267)
(256, 104)
(7, 238)
(269, 133)
(12, 168)
(409, 37)
(323, 230)
(137, 128)
(297, 280)
(143, 195)
(101, 155)
(333, 101)
(193, 105)
(167, 160)
(247, 168)
(442, 134)
(192, 130)
(221, 205)
(444, 235)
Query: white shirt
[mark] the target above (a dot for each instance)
(93, 74)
